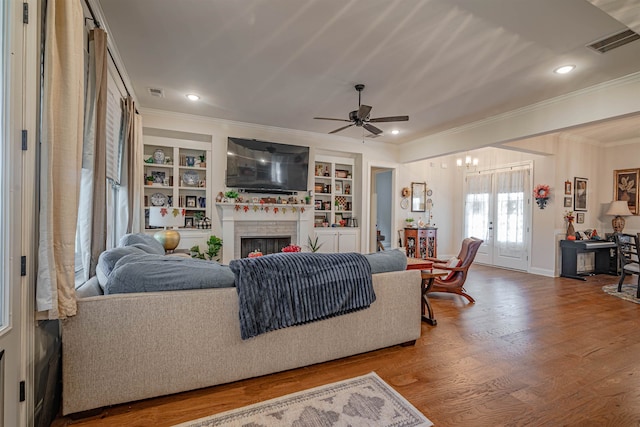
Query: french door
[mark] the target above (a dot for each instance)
(497, 210)
(12, 411)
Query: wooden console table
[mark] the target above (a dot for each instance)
(421, 242)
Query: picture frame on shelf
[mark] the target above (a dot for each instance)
(567, 202)
(191, 201)
(158, 177)
(580, 218)
(338, 187)
(581, 193)
(188, 222)
(625, 187)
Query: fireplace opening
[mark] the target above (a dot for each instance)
(266, 245)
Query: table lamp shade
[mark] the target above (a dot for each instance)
(161, 216)
(618, 208)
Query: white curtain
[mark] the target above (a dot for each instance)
(510, 205)
(134, 169)
(93, 198)
(477, 206)
(61, 156)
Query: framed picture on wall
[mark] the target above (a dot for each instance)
(580, 218)
(567, 187)
(567, 202)
(580, 194)
(625, 187)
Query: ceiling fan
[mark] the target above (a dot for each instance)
(360, 117)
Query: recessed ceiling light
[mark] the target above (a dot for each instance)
(193, 97)
(564, 69)
(395, 131)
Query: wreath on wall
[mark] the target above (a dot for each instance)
(541, 194)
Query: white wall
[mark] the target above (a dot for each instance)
(567, 158)
(367, 153)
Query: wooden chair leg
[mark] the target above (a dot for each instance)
(467, 296)
(638, 291)
(622, 280)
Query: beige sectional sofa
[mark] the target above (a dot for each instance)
(126, 347)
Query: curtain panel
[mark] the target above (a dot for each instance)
(91, 210)
(61, 156)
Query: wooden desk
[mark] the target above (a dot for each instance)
(428, 276)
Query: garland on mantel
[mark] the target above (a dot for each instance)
(264, 207)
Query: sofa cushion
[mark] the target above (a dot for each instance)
(108, 260)
(145, 239)
(385, 261)
(90, 288)
(154, 273)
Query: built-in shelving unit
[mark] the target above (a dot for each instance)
(335, 202)
(179, 177)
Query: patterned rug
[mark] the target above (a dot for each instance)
(360, 401)
(628, 292)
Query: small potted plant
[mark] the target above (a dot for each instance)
(231, 195)
(314, 245)
(409, 222)
(214, 244)
(203, 160)
(149, 180)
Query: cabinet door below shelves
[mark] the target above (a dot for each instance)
(328, 242)
(347, 241)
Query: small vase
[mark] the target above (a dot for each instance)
(570, 230)
(158, 156)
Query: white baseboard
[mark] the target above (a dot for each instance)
(542, 272)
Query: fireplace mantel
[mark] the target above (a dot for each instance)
(269, 214)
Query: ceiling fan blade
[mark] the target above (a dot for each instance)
(372, 128)
(390, 119)
(342, 128)
(363, 112)
(329, 118)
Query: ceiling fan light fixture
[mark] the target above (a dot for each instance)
(192, 97)
(564, 69)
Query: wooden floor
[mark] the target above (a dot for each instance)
(532, 351)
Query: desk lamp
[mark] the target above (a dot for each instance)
(618, 208)
(161, 216)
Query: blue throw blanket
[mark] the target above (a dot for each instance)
(286, 289)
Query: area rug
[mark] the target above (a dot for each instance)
(360, 401)
(628, 292)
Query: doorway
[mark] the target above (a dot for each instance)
(381, 209)
(498, 210)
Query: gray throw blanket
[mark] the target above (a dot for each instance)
(286, 289)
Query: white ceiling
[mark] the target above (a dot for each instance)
(442, 62)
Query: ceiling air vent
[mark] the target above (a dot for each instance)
(614, 41)
(154, 91)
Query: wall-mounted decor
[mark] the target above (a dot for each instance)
(580, 218)
(567, 187)
(580, 194)
(541, 194)
(625, 187)
(418, 196)
(567, 202)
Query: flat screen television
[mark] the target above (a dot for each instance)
(261, 166)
